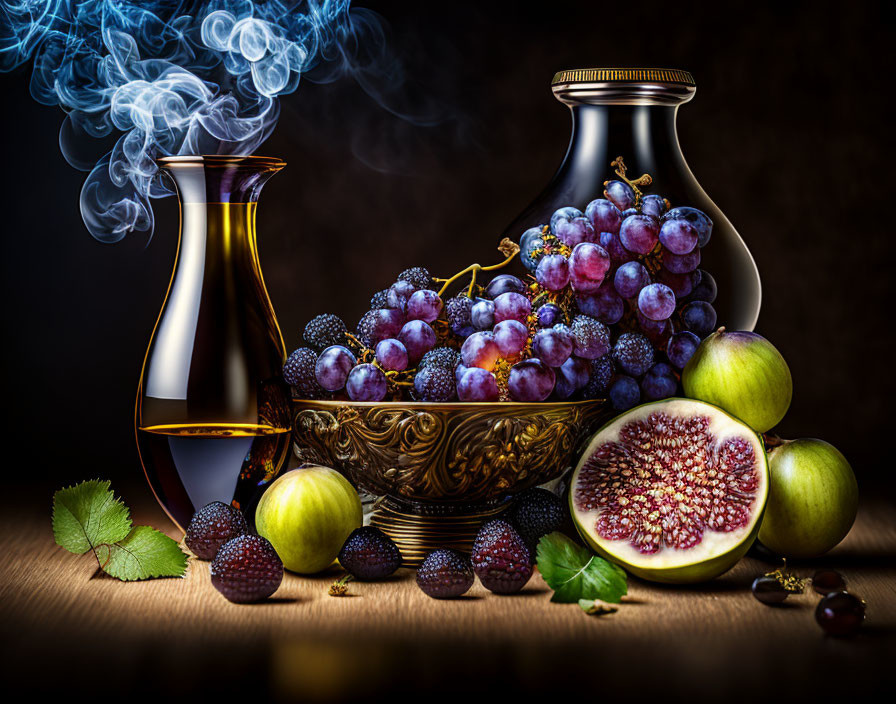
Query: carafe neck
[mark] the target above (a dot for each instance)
(644, 134)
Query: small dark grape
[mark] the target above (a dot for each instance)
(768, 590)
(827, 581)
(840, 613)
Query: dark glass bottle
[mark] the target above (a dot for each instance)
(631, 113)
(212, 417)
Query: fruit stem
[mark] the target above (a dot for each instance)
(340, 586)
(508, 248)
(642, 180)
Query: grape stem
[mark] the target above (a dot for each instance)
(642, 180)
(508, 248)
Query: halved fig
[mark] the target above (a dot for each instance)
(672, 491)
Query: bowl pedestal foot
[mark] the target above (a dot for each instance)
(418, 528)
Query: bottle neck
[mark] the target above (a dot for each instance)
(644, 135)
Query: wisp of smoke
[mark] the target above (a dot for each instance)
(167, 77)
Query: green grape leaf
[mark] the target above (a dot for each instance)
(87, 515)
(575, 574)
(144, 554)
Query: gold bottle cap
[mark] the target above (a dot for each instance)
(623, 75)
(623, 86)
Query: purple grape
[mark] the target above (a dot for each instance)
(418, 337)
(678, 236)
(618, 254)
(656, 301)
(366, 382)
(572, 375)
(681, 263)
(549, 315)
(696, 219)
(477, 384)
(681, 348)
(705, 288)
(458, 311)
(588, 265)
(633, 353)
(333, 366)
(624, 393)
(699, 317)
(653, 205)
(512, 306)
(639, 233)
(435, 384)
(575, 231)
(604, 216)
(530, 381)
(602, 371)
(681, 284)
(553, 272)
(563, 215)
(552, 346)
(398, 295)
(379, 325)
(659, 382)
(480, 350)
(622, 195)
(503, 283)
(459, 370)
(630, 278)
(392, 355)
(511, 336)
(654, 330)
(424, 305)
(591, 338)
(530, 241)
(628, 212)
(605, 305)
(482, 315)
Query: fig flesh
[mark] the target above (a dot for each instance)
(672, 491)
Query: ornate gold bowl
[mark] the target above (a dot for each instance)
(442, 468)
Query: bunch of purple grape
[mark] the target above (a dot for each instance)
(615, 309)
(631, 263)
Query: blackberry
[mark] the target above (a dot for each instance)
(435, 383)
(418, 276)
(500, 558)
(364, 329)
(458, 311)
(211, 527)
(602, 370)
(633, 353)
(445, 574)
(299, 373)
(591, 337)
(446, 357)
(535, 513)
(324, 331)
(378, 300)
(247, 569)
(369, 554)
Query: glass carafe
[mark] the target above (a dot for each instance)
(212, 417)
(631, 113)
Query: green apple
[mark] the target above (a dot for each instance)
(307, 514)
(812, 501)
(742, 373)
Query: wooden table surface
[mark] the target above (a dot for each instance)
(67, 626)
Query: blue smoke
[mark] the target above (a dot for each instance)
(164, 77)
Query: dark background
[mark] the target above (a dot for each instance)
(789, 133)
